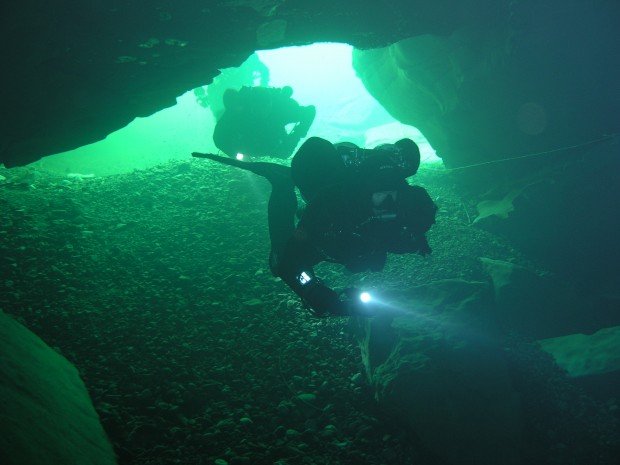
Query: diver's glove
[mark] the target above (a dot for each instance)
(358, 303)
(324, 302)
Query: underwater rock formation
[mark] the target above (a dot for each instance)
(467, 393)
(47, 415)
(541, 76)
(79, 71)
(440, 369)
(524, 112)
(584, 355)
(535, 305)
(570, 327)
(564, 216)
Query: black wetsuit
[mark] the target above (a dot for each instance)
(349, 221)
(341, 226)
(255, 119)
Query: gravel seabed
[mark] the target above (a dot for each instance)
(155, 285)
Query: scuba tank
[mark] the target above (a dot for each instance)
(382, 168)
(403, 157)
(319, 164)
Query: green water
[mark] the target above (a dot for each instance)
(320, 75)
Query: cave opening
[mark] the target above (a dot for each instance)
(320, 74)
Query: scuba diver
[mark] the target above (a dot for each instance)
(359, 208)
(254, 122)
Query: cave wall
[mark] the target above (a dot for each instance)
(77, 71)
(482, 79)
(47, 417)
(543, 75)
(539, 85)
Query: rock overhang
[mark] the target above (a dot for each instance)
(79, 71)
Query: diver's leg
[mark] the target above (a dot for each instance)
(281, 217)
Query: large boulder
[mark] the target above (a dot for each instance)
(46, 415)
(541, 305)
(564, 216)
(534, 304)
(586, 355)
(438, 366)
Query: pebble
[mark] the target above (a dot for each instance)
(357, 379)
(239, 460)
(284, 407)
(292, 433)
(329, 430)
(307, 397)
(226, 424)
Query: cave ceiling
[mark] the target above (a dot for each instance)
(76, 71)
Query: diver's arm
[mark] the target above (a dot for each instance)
(294, 267)
(320, 299)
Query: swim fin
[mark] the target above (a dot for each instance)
(273, 172)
